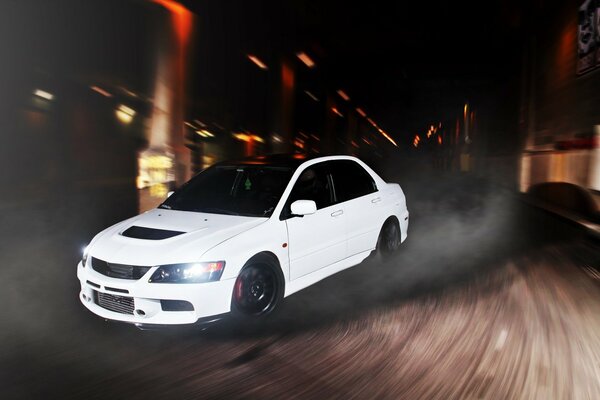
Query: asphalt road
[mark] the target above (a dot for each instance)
(488, 298)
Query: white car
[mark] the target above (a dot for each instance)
(239, 237)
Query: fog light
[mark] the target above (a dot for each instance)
(140, 313)
(176, 305)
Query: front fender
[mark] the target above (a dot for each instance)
(270, 236)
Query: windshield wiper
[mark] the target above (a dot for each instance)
(216, 210)
(166, 207)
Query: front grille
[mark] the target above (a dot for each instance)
(120, 271)
(93, 284)
(112, 289)
(111, 302)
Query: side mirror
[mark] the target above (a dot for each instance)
(303, 207)
(170, 193)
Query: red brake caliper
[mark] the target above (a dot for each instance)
(238, 289)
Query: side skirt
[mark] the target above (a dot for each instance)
(312, 278)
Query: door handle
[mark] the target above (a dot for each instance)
(376, 200)
(337, 213)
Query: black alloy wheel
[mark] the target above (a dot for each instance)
(389, 240)
(256, 291)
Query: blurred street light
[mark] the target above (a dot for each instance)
(101, 91)
(250, 140)
(43, 94)
(248, 137)
(416, 141)
(385, 135)
(361, 112)
(336, 112)
(305, 58)
(204, 133)
(258, 62)
(312, 96)
(381, 131)
(125, 114)
(466, 123)
(343, 95)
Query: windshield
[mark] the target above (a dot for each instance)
(245, 190)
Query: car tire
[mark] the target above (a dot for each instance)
(388, 241)
(258, 290)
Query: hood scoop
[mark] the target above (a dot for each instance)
(139, 232)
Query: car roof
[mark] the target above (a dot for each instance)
(295, 160)
(276, 160)
(291, 161)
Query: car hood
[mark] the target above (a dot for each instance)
(195, 233)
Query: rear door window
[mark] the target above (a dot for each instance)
(350, 180)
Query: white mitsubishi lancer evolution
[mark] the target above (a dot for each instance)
(239, 237)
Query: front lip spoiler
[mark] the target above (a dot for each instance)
(201, 323)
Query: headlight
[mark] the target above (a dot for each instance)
(84, 257)
(188, 273)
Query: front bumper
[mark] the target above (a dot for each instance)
(208, 299)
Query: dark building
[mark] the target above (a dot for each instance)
(560, 106)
